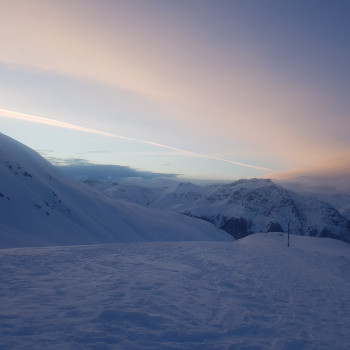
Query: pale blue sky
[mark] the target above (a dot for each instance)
(264, 83)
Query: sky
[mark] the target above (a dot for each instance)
(210, 89)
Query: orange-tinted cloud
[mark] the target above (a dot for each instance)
(329, 175)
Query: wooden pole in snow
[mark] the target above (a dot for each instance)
(288, 232)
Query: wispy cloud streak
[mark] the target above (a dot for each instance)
(56, 123)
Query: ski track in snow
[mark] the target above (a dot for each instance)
(251, 294)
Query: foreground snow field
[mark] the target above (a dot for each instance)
(254, 293)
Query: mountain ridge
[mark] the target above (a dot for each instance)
(42, 206)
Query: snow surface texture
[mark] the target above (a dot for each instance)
(40, 206)
(254, 293)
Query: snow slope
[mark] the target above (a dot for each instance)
(340, 201)
(41, 206)
(254, 293)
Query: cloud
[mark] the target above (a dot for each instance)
(65, 161)
(78, 168)
(45, 35)
(329, 176)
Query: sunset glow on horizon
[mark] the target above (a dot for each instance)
(232, 89)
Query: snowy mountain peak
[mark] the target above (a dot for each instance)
(184, 187)
(254, 182)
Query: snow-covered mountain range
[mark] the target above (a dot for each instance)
(242, 207)
(41, 206)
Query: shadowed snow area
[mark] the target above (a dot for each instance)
(254, 293)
